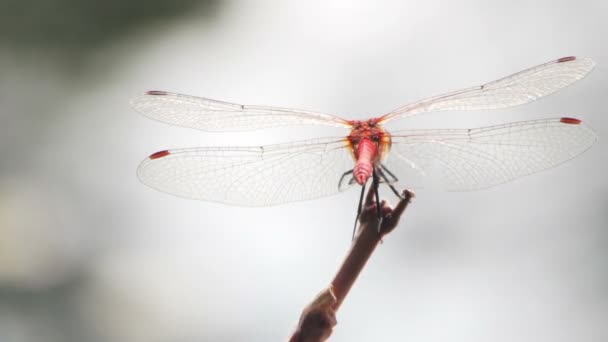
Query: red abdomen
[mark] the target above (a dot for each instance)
(366, 154)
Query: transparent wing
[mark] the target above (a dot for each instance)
(522, 87)
(211, 115)
(250, 176)
(469, 159)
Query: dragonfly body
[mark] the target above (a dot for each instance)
(369, 143)
(455, 159)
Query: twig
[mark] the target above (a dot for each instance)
(319, 317)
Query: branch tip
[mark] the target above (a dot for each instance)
(319, 317)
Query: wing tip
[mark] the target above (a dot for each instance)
(159, 154)
(588, 62)
(592, 136)
(570, 121)
(566, 59)
(157, 92)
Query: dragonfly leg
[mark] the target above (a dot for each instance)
(385, 169)
(375, 184)
(358, 210)
(389, 183)
(342, 178)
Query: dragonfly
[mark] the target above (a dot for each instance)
(454, 159)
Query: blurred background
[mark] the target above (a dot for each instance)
(88, 253)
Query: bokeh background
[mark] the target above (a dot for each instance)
(88, 253)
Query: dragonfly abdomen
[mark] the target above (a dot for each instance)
(366, 153)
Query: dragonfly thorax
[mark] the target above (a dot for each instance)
(368, 131)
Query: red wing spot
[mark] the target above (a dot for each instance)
(156, 92)
(571, 121)
(566, 59)
(159, 154)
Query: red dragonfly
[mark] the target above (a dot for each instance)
(455, 159)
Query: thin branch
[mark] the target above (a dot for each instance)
(319, 317)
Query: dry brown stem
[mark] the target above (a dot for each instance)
(319, 317)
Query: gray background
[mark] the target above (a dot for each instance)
(88, 253)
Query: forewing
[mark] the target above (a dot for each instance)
(520, 88)
(470, 159)
(211, 115)
(250, 176)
